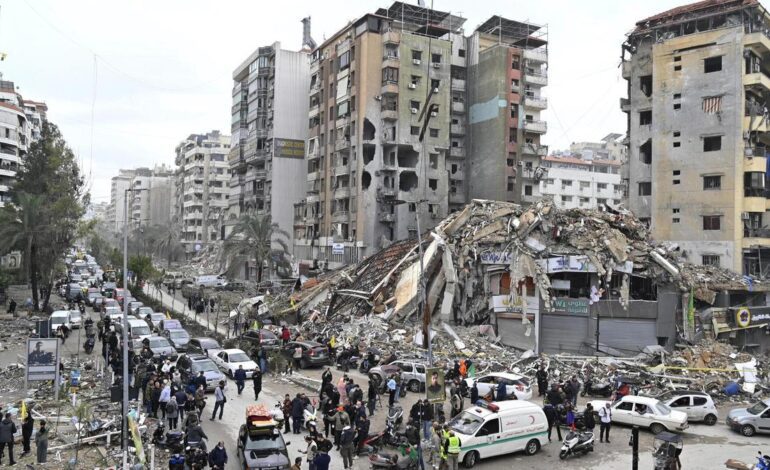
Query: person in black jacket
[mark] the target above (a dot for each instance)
(240, 379)
(474, 393)
(26, 434)
(425, 417)
(256, 379)
(553, 420)
(371, 397)
(218, 456)
(297, 413)
(7, 431)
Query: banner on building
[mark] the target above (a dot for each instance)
(338, 248)
(289, 148)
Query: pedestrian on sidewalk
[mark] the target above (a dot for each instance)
(41, 442)
(310, 452)
(240, 379)
(7, 431)
(256, 379)
(218, 457)
(219, 400)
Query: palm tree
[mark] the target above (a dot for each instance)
(21, 227)
(168, 242)
(256, 237)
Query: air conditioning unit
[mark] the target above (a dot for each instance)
(436, 65)
(434, 114)
(414, 110)
(416, 61)
(435, 90)
(412, 86)
(745, 215)
(378, 97)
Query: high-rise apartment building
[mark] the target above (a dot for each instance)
(116, 211)
(588, 182)
(150, 203)
(698, 81)
(36, 113)
(201, 188)
(507, 70)
(269, 128)
(15, 136)
(386, 102)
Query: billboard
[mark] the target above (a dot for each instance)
(42, 358)
(289, 148)
(435, 390)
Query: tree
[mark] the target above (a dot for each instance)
(256, 237)
(50, 195)
(21, 229)
(168, 242)
(142, 269)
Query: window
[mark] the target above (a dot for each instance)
(344, 61)
(677, 106)
(712, 182)
(414, 105)
(675, 220)
(645, 152)
(677, 144)
(699, 401)
(645, 84)
(677, 68)
(677, 172)
(415, 80)
(710, 260)
(645, 118)
(509, 162)
(566, 183)
(712, 64)
(677, 133)
(435, 58)
(433, 132)
(416, 55)
(527, 190)
(677, 58)
(490, 428)
(414, 130)
(566, 199)
(390, 75)
(675, 210)
(645, 189)
(711, 222)
(677, 96)
(680, 402)
(712, 143)
(461, 52)
(510, 183)
(625, 406)
(601, 186)
(676, 181)
(434, 84)
(433, 184)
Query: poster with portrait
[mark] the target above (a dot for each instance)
(434, 389)
(42, 354)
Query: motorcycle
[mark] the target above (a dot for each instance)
(176, 462)
(196, 458)
(596, 388)
(310, 419)
(370, 443)
(763, 462)
(345, 360)
(392, 438)
(88, 346)
(395, 416)
(171, 440)
(401, 461)
(372, 359)
(576, 443)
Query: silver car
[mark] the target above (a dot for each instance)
(698, 405)
(751, 420)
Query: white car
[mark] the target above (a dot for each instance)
(76, 319)
(646, 412)
(229, 359)
(515, 384)
(698, 405)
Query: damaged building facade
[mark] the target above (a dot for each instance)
(698, 82)
(389, 138)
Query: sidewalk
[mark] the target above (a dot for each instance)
(173, 303)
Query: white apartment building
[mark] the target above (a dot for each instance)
(14, 137)
(201, 189)
(151, 199)
(116, 210)
(580, 183)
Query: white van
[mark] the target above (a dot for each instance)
(138, 329)
(499, 428)
(209, 281)
(60, 317)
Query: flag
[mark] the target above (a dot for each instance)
(333, 342)
(136, 437)
(472, 370)
(23, 409)
(168, 315)
(691, 312)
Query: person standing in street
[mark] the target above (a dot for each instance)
(322, 461)
(310, 452)
(452, 447)
(240, 378)
(219, 400)
(297, 413)
(392, 387)
(26, 434)
(456, 402)
(262, 358)
(341, 420)
(286, 413)
(605, 422)
(574, 386)
(256, 379)
(474, 393)
(41, 442)
(7, 431)
(218, 457)
(181, 402)
(172, 412)
(588, 418)
(346, 447)
(165, 396)
(542, 380)
(550, 415)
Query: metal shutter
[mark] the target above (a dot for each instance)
(562, 333)
(627, 336)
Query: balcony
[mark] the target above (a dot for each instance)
(458, 107)
(535, 102)
(391, 61)
(625, 69)
(315, 88)
(759, 42)
(340, 216)
(391, 37)
(389, 88)
(342, 144)
(389, 114)
(386, 192)
(314, 153)
(313, 111)
(458, 84)
(313, 175)
(536, 55)
(534, 149)
(457, 152)
(625, 105)
(537, 127)
(536, 78)
(457, 129)
(341, 170)
(456, 198)
(387, 218)
(341, 193)
(758, 124)
(754, 200)
(757, 80)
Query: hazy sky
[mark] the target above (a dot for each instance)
(154, 72)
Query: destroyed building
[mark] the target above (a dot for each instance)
(541, 276)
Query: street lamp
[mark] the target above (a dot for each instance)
(124, 431)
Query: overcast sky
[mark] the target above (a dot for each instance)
(157, 71)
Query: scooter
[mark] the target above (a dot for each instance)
(596, 388)
(763, 462)
(392, 438)
(401, 461)
(172, 440)
(395, 416)
(310, 419)
(88, 346)
(176, 462)
(576, 443)
(196, 458)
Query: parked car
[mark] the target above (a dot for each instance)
(229, 360)
(515, 384)
(76, 319)
(160, 347)
(92, 296)
(133, 305)
(646, 412)
(97, 303)
(191, 365)
(169, 324)
(203, 345)
(142, 312)
(232, 286)
(751, 420)
(178, 338)
(60, 317)
(154, 319)
(210, 281)
(263, 337)
(412, 373)
(698, 405)
(313, 353)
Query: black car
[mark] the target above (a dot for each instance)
(313, 353)
(191, 365)
(202, 345)
(262, 448)
(160, 347)
(265, 338)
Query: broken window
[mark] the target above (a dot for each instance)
(515, 62)
(415, 80)
(645, 152)
(514, 110)
(711, 222)
(527, 190)
(391, 51)
(435, 84)
(369, 129)
(645, 84)
(407, 181)
(511, 182)
(645, 188)
(710, 260)
(433, 160)
(712, 143)
(509, 163)
(645, 118)
(712, 64)
(407, 159)
(433, 184)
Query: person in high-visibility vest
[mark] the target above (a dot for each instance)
(444, 437)
(452, 450)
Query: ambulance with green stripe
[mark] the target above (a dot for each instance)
(499, 428)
